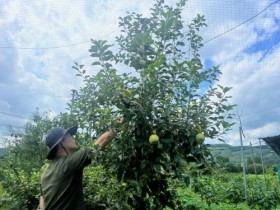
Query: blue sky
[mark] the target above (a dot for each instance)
(35, 67)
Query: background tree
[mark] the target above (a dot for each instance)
(31, 143)
(25, 158)
(167, 92)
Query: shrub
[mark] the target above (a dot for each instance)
(22, 190)
(229, 188)
(103, 191)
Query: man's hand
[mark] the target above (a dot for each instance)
(111, 134)
(105, 138)
(116, 125)
(120, 119)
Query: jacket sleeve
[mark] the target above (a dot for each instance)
(78, 160)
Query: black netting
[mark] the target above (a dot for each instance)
(274, 143)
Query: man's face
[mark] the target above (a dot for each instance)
(69, 142)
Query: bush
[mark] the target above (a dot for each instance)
(229, 188)
(254, 169)
(190, 200)
(22, 190)
(103, 191)
(3, 206)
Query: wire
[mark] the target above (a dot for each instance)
(45, 48)
(14, 115)
(55, 47)
(79, 43)
(13, 126)
(215, 37)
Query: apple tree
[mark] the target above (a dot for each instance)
(170, 102)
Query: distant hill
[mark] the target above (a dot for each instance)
(234, 153)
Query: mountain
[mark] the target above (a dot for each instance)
(234, 153)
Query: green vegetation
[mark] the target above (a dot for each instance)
(2, 206)
(226, 191)
(234, 153)
(102, 191)
(229, 158)
(161, 95)
(2, 151)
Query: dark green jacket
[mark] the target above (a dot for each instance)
(61, 182)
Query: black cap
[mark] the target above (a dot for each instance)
(55, 136)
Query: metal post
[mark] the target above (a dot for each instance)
(262, 164)
(243, 164)
(73, 95)
(253, 156)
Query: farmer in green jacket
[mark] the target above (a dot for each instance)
(61, 182)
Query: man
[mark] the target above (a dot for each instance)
(61, 182)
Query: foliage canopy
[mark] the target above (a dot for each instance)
(161, 94)
(165, 91)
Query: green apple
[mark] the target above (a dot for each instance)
(200, 138)
(153, 138)
(126, 93)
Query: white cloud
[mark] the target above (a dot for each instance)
(44, 78)
(4, 105)
(269, 129)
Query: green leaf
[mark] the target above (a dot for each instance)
(180, 43)
(96, 63)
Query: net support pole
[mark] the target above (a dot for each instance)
(264, 177)
(243, 163)
(253, 157)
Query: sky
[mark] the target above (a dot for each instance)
(41, 39)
